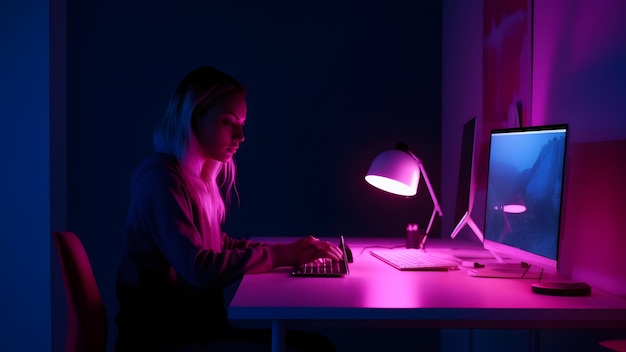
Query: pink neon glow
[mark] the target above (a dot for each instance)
(596, 233)
(574, 53)
(577, 51)
(391, 291)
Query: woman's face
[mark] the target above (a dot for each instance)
(220, 130)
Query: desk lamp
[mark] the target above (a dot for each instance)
(398, 171)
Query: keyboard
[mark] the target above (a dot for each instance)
(321, 267)
(325, 266)
(412, 259)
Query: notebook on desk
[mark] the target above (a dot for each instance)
(325, 267)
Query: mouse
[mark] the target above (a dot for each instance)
(348, 253)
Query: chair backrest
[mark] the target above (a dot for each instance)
(87, 322)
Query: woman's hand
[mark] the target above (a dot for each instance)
(308, 249)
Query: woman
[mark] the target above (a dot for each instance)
(176, 258)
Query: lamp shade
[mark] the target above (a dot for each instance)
(395, 171)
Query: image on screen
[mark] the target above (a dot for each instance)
(524, 193)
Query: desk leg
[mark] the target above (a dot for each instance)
(455, 340)
(278, 336)
(533, 340)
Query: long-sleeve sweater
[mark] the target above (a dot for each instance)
(173, 270)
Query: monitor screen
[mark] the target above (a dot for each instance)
(524, 193)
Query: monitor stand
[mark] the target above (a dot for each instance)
(467, 220)
(507, 271)
(506, 268)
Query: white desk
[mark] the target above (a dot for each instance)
(376, 293)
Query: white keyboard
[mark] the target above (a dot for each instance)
(414, 259)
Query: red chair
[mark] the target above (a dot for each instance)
(614, 345)
(87, 322)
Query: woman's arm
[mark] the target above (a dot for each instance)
(166, 211)
(232, 243)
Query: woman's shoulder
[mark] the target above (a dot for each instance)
(158, 159)
(159, 165)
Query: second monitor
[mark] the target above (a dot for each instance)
(465, 186)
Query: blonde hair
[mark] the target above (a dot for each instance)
(196, 93)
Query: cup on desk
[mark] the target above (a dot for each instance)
(414, 236)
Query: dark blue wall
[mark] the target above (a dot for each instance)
(24, 176)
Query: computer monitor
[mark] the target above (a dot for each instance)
(524, 194)
(465, 186)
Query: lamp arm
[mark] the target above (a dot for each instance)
(437, 208)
